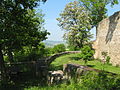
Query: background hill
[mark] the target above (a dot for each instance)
(50, 43)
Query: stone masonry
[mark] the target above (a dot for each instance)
(108, 38)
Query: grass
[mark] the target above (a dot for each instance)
(74, 58)
(91, 81)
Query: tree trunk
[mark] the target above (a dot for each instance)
(2, 65)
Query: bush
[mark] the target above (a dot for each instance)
(48, 51)
(87, 53)
(100, 81)
(108, 59)
(59, 48)
(29, 53)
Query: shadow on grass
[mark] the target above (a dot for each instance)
(53, 67)
(91, 65)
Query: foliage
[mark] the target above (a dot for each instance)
(75, 20)
(87, 53)
(59, 48)
(20, 25)
(100, 81)
(48, 51)
(97, 8)
(30, 54)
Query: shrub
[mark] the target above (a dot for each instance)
(29, 53)
(59, 48)
(87, 53)
(48, 51)
(104, 54)
(108, 59)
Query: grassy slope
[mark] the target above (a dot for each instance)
(74, 58)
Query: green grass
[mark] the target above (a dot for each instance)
(74, 58)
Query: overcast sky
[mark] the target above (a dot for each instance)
(52, 9)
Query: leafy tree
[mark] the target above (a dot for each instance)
(97, 8)
(19, 26)
(59, 48)
(75, 20)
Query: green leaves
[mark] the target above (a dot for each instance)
(59, 48)
(113, 2)
(20, 25)
(97, 8)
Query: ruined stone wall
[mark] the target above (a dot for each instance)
(108, 38)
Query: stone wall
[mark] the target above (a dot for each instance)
(72, 70)
(108, 38)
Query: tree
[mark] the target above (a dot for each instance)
(97, 8)
(75, 19)
(19, 26)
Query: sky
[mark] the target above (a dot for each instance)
(52, 9)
